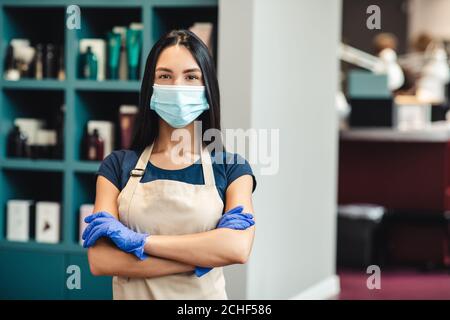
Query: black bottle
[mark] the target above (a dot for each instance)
(95, 146)
(39, 62)
(9, 59)
(16, 143)
(50, 62)
(10, 65)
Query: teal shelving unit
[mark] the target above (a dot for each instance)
(34, 270)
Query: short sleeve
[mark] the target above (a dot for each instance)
(111, 167)
(237, 166)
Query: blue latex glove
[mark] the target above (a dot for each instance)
(232, 219)
(235, 219)
(103, 224)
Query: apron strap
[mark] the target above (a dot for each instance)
(143, 160)
(136, 175)
(208, 172)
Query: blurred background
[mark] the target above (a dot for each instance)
(359, 206)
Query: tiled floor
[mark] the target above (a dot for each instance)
(396, 284)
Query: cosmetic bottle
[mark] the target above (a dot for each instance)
(90, 65)
(50, 61)
(10, 65)
(95, 146)
(16, 143)
(123, 65)
(39, 62)
(134, 43)
(127, 116)
(61, 67)
(114, 44)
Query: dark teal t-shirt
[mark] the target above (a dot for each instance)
(227, 167)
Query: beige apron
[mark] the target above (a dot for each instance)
(168, 207)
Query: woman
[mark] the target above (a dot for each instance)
(159, 225)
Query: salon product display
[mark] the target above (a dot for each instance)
(29, 220)
(100, 136)
(37, 138)
(117, 56)
(37, 61)
(30, 139)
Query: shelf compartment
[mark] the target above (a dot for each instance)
(98, 21)
(94, 105)
(36, 23)
(41, 104)
(29, 185)
(37, 185)
(39, 24)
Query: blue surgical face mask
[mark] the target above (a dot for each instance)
(178, 105)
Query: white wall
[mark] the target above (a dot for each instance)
(278, 69)
(431, 16)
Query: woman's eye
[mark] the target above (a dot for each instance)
(192, 77)
(164, 76)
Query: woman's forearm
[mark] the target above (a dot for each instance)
(218, 247)
(107, 260)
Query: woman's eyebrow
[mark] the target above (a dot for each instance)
(192, 70)
(163, 69)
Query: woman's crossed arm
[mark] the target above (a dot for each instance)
(175, 253)
(106, 259)
(212, 248)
